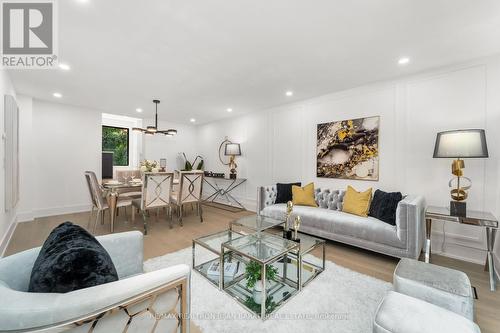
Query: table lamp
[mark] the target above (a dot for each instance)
(460, 144)
(232, 150)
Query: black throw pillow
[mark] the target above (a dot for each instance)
(71, 259)
(384, 205)
(284, 192)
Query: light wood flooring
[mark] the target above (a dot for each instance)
(162, 240)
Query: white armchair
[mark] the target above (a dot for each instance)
(156, 301)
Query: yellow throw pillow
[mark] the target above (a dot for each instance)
(357, 203)
(304, 196)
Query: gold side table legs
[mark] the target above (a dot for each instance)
(428, 227)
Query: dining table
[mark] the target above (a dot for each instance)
(114, 188)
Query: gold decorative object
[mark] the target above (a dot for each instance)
(296, 226)
(289, 210)
(459, 193)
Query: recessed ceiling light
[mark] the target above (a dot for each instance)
(229, 110)
(57, 95)
(289, 93)
(404, 61)
(192, 120)
(64, 67)
(138, 110)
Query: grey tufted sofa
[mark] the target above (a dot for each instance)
(405, 239)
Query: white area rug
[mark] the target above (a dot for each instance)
(338, 300)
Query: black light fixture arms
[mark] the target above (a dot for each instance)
(154, 129)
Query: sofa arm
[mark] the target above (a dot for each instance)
(31, 311)
(410, 224)
(126, 251)
(266, 196)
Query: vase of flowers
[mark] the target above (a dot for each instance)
(254, 278)
(149, 166)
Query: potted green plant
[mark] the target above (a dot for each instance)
(254, 278)
(189, 166)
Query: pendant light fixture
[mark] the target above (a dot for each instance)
(151, 130)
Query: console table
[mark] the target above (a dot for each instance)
(475, 218)
(223, 189)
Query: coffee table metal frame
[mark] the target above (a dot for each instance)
(294, 253)
(215, 250)
(263, 262)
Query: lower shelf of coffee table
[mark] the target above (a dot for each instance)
(214, 279)
(278, 292)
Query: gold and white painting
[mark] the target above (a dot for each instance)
(348, 149)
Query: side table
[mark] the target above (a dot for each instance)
(475, 218)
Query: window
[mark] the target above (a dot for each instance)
(116, 140)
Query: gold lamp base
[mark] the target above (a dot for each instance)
(232, 167)
(458, 207)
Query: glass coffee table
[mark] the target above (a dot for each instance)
(268, 252)
(212, 243)
(292, 261)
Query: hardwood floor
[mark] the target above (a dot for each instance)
(161, 240)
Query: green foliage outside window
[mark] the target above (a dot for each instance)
(116, 139)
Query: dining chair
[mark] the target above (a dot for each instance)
(156, 191)
(98, 199)
(189, 192)
(125, 176)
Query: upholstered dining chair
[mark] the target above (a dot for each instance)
(154, 301)
(99, 202)
(126, 176)
(189, 192)
(156, 191)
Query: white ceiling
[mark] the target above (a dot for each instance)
(201, 57)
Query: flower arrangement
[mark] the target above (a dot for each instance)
(149, 166)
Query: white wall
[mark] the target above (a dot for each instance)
(279, 144)
(6, 219)
(161, 146)
(59, 142)
(66, 141)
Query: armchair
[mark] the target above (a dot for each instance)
(143, 302)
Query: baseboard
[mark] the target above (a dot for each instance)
(60, 210)
(459, 247)
(8, 235)
(25, 217)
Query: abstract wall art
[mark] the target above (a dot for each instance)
(348, 149)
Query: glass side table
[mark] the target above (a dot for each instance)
(309, 270)
(213, 244)
(476, 218)
(266, 250)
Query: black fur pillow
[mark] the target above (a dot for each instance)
(71, 259)
(284, 192)
(384, 205)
